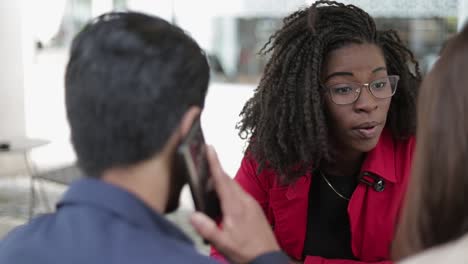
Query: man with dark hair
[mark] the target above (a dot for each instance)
(134, 85)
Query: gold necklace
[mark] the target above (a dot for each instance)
(331, 186)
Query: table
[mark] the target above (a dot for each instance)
(23, 146)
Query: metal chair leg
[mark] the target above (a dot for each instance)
(32, 198)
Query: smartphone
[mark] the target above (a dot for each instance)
(193, 163)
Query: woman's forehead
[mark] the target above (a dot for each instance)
(353, 59)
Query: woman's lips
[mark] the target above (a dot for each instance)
(367, 130)
(367, 133)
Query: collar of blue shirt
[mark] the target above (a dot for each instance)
(123, 204)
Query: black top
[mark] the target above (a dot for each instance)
(328, 230)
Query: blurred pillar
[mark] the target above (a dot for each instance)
(462, 13)
(12, 113)
(227, 46)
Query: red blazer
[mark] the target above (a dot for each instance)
(373, 215)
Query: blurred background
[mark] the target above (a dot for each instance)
(36, 37)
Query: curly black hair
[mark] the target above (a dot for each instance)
(285, 120)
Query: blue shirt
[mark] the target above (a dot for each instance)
(96, 222)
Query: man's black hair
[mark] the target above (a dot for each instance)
(129, 80)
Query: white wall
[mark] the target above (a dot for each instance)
(12, 114)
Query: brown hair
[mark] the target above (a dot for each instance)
(436, 206)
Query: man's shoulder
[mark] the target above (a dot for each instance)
(25, 238)
(47, 240)
(165, 250)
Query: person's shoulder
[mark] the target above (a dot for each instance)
(453, 252)
(25, 243)
(45, 239)
(249, 172)
(164, 249)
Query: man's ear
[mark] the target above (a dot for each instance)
(187, 120)
(183, 128)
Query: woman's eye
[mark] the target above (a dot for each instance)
(342, 90)
(379, 85)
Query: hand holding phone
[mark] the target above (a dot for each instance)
(245, 233)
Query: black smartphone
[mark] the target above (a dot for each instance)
(193, 163)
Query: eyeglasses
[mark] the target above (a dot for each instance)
(348, 93)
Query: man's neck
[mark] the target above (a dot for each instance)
(148, 180)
